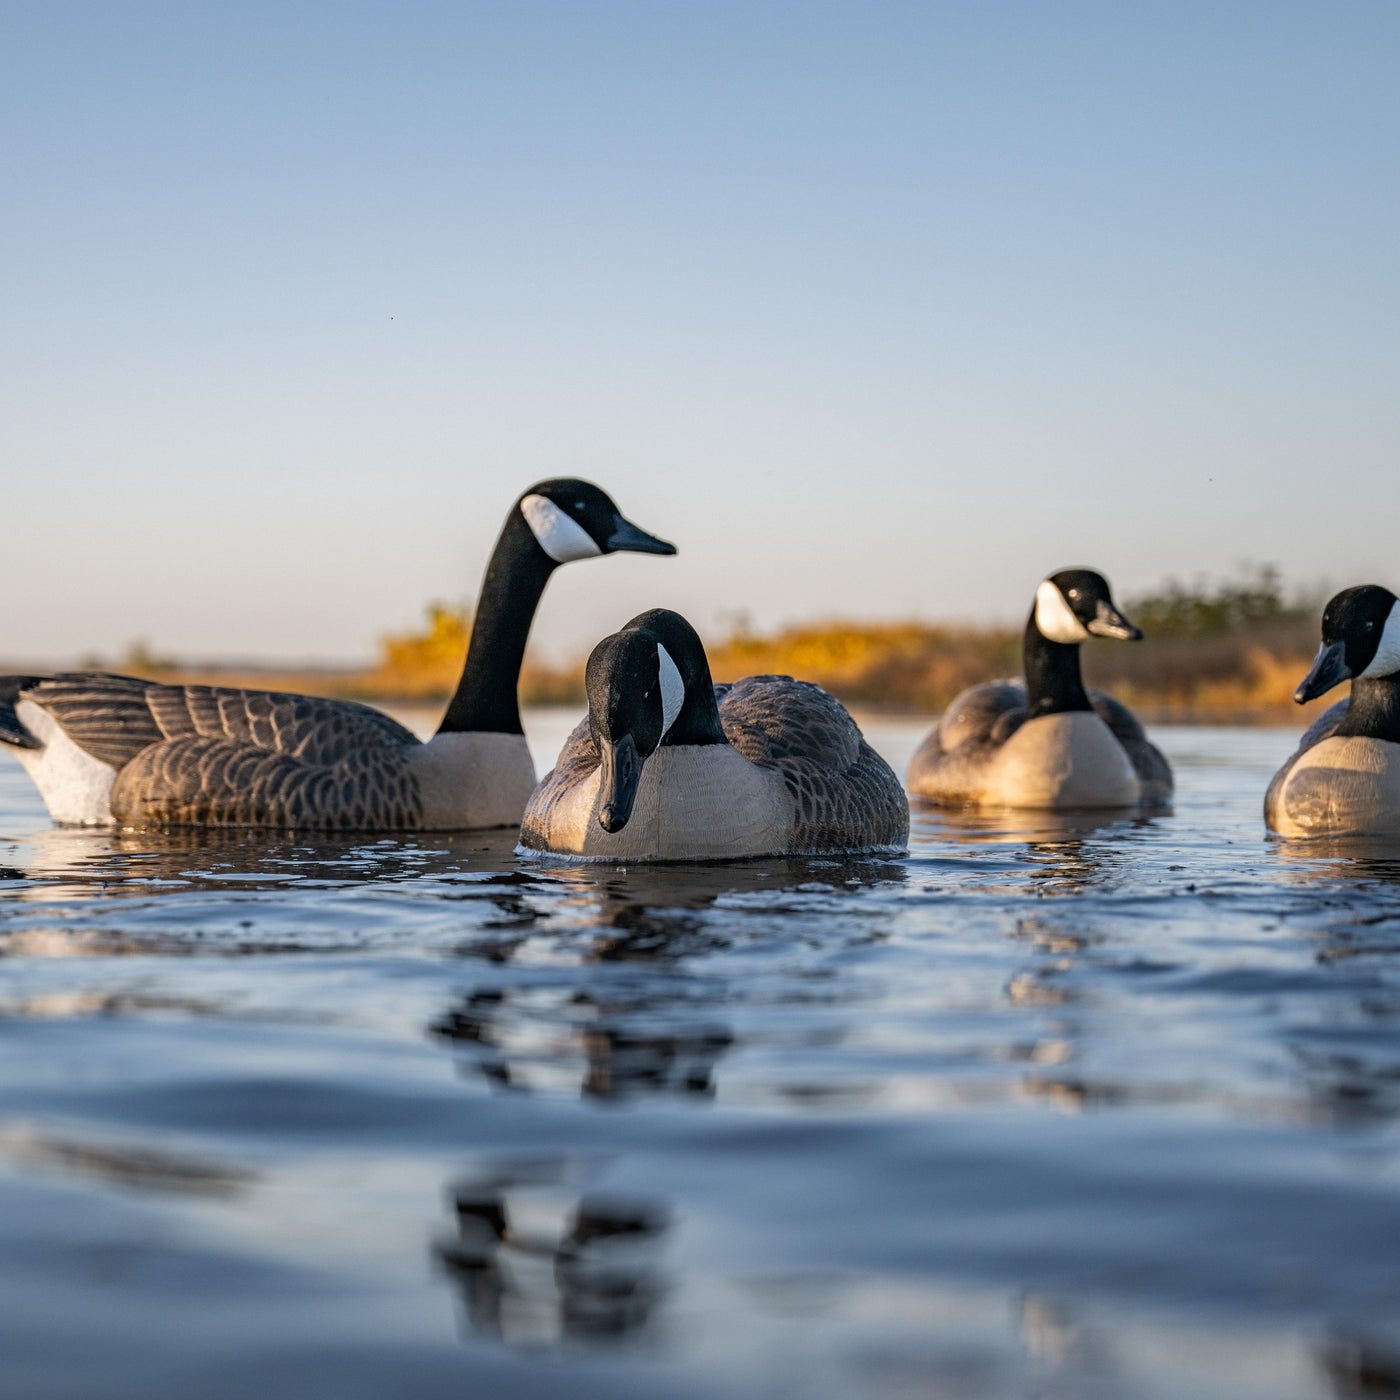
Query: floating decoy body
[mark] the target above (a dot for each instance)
(1047, 742)
(670, 766)
(1344, 777)
(113, 750)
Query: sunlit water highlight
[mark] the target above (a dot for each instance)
(1096, 1109)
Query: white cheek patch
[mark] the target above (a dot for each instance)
(672, 688)
(560, 535)
(1387, 659)
(1054, 617)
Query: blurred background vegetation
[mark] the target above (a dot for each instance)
(1217, 651)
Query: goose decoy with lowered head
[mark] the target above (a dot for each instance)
(1047, 742)
(670, 766)
(112, 750)
(1344, 778)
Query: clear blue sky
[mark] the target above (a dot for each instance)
(877, 309)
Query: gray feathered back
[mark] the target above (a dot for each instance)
(846, 794)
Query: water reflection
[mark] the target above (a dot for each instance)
(1329, 859)
(616, 894)
(1060, 1344)
(626, 1020)
(834, 1072)
(1066, 852)
(67, 864)
(1016, 825)
(601, 1046)
(138, 1167)
(1360, 1369)
(539, 1262)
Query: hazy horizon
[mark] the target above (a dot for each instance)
(877, 311)
(570, 651)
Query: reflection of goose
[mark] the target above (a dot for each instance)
(1033, 827)
(1345, 776)
(536, 1263)
(617, 1045)
(1048, 743)
(112, 750)
(669, 766)
(106, 864)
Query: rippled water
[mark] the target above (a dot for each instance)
(1107, 1109)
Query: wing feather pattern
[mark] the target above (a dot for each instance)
(950, 761)
(220, 755)
(847, 797)
(577, 759)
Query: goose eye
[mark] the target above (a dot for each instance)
(1074, 593)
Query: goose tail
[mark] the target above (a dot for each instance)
(13, 734)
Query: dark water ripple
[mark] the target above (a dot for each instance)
(1090, 1109)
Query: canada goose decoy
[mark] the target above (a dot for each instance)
(670, 766)
(1344, 778)
(1047, 743)
(111, 750)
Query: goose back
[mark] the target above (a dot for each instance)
(845, 796)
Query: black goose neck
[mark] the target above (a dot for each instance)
(1054, 682)
(486, 699)
(1374, 712)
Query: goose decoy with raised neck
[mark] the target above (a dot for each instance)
(670, 766)
(114, 750)
(1046, 742)
(1344, 777)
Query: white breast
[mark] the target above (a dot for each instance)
(75, 786)
(1064, 760)
(1346, 785)
(694, 802)
(469, 781)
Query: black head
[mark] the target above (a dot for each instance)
(573, 519)
(1360, 637)
(637, 681)
(1075, 604)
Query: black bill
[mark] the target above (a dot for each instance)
(1109, 622)
(627, 536)
(1329, 668)
(617, 786)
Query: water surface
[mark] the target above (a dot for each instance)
(1102, 1108)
